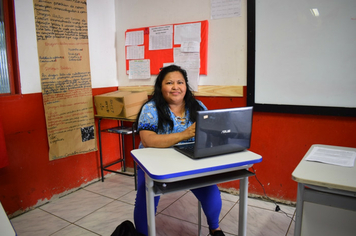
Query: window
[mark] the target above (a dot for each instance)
(9, 75)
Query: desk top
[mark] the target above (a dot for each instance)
(167, 164)
(326, 175)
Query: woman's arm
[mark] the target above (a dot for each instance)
(152, 139)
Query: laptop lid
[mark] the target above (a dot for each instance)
(222, 131)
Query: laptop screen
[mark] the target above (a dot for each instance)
(223, 131)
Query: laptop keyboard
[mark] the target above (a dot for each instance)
(189, 147)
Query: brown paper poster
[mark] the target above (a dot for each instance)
(63, 52)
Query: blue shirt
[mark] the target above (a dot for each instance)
(148, 120)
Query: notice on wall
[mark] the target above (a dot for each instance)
(161, 37)
(140, 69)
(225, 8)
(63, 54)
(134, 38)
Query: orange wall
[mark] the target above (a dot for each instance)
(30, 178)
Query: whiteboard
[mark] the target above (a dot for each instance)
(304, 54)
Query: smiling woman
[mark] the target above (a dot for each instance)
(173, 91)
(166, 119)
(172, 104)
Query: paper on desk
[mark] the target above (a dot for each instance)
(332, 156)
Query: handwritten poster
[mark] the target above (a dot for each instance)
(63, 54)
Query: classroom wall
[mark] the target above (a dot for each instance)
(283, 140)
(31, 179)
(226, 37)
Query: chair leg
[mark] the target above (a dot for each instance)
(199, 218)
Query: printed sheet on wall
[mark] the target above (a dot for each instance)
(63, 54)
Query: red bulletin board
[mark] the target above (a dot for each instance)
(158, 57)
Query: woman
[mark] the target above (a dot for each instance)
(166, 119)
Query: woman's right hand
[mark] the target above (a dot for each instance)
(152, 139)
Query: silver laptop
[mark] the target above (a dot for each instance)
(219, 132)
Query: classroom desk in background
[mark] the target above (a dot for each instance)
(121, 131)
(167, 170)
(326, 200)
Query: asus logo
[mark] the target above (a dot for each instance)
(226, 131)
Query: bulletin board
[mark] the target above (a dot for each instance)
(158, 57)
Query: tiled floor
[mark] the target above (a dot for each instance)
(100, 207)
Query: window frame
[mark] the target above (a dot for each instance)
(11, 47)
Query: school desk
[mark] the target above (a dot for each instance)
(167, 170)
(326, 199)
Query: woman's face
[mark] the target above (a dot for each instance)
(174, 87)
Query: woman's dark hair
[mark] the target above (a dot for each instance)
(161, 104)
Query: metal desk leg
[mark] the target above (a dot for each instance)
(123, 149)
(243, 206)
(133, 147)
(151, 221)
(199, 218)
(299, 210)
(100, 152)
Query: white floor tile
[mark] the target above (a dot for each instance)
(37, 222)
(291, 227)
(229, 197)
(105, 220)
(113, 187)
(100, 207)
(170, 226)
(269, 205)
(76, 205)
(260, 222)
(186, 208)
(73, 230)
(128, 198)
(168, 199)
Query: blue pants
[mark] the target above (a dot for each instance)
(209, 198)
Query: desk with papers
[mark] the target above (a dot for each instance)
(326, 200)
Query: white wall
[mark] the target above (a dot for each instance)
(109, 19)
(102, 48)
(27, 47)
(227, 37)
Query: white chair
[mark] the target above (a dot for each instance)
(5, 224)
